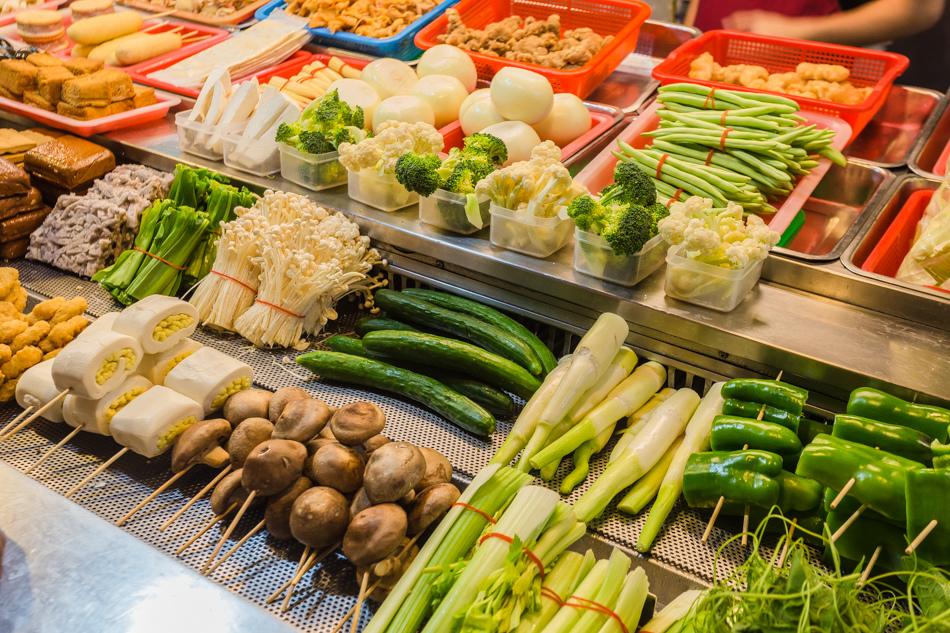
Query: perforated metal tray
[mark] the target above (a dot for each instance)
(263, 564)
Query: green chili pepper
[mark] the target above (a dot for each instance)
(732, 434)
(743, 409)
(880, 486)
(861, 539)
(927, 493)
(899, 440)
(883, 407)
(798, 494)
(778, 394)
(742, 477)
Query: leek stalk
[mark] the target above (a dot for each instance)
(675, 611)
(617, 568)
(641, 414)
(647, 486)
(601, 588)
(630, 603)
(562, 580)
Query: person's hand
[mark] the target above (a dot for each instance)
(764, 23)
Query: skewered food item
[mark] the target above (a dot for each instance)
(201, 443)
(371, 18)
(96, 416)
(210, 377)
(93, 365)
(36, 387)
(151, 423)
(156, 366)
(12, 6)
(158, 322)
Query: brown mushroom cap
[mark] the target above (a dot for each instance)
(273, 465)
(429, 505)
(356, 422)
(277, 514)
(302, 419)
(392, 471)
(319, 517)
(198, 439)
(337, 466)
(245, 437)
(374, 534)
(317, 443)
(222, 495)
(373, 443)
(249, 403)
(438, 469)
(280, 399)
(359, 503)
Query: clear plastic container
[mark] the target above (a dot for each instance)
(259, 157)
(381, 192)
(706, 285)
(538, 237)
(446, 210)
(593, 256)
(202, 139)
(313, 171)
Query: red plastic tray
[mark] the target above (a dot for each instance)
(620, 18)
(779, 54)
(140, 74)
(10, 18)
(600, 123)
(95, 126)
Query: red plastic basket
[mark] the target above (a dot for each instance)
(620, 18)
(778, 55)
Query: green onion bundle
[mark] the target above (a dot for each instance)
(729, 146)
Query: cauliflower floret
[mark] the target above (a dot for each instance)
(393, 139)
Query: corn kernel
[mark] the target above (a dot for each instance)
(173, 363)
(171, 324)
(111, 364)
(172, 434)
(240, 384)
(119, 403)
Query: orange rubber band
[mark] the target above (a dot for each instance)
(709, 156)
(722, 119)
(590, 605)
(164, 261)
(722, 141)
(659, 165)
(240, 283)
(547, 592)
(675, 198)
(710, 100)
(271, 305)
(508, 539)
(490, 518)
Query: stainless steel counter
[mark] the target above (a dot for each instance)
(67, 570)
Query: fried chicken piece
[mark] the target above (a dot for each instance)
(45, 310)
(802, 90)
(21, 361)
(53, 354)
(9, 313)
(8, 390)
(30, 336)
(11, 329)
(9, 282)
(753, 76)
(19, 300)
(5, 353)
(781, 82)
(74, 307)
(704, 67)
(63, 333)
(823, 72)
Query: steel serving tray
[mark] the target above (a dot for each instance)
(887, 140)
(932, 141)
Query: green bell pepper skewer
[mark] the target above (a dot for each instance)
(742, 477)
(809, 429)
(864, 536)
(750, 410)
(773, 392)
(798, 494)
(941, 454)
(927, 492)
(732, 434)
(883, 407)
(899, 440)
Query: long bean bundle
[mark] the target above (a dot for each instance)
(729, 146)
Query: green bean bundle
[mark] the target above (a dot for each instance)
(729, 146)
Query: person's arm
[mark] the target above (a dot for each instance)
(872, 23)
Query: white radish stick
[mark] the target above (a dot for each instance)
(125, 449)
(157, 492)
(58, 446)
(212, 522)
(257, 528)
(191, 502)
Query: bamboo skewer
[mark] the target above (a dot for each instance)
(867, 570)
(163, 14)
(195, 39)
(36, 414)
(303, 558)
(13, 422)
(848, 523)
(214, 520)
(227, 533)
(257, 528)
(359, 602)
(58, 446)
(843, 493)
(924, 533)
(788, 540)
(125, 449)
(311, 563)
(193, 500)
(157, 492)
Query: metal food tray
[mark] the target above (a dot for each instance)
(932, 141)
(678, 559)
(875, 228)
(895, 129)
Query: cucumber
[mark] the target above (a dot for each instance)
(446, 353)
(432, 317)
(429, 392)
(373, 323)
(494, 400)
(489, 315)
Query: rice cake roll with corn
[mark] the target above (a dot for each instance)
(210, 377)
(156, 366)
(36, 388)
(150, 424)
(93, 365)
(158, 322)
(96, 416)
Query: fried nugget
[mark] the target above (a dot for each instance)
(74, 307)
(11, 329)
(9, 281)
(52, 354)
(8, 390)
(9, 313)
(21, 361)
(63, 333)
(5, 353)
(30, 336)
(19, 301)
(45, 310)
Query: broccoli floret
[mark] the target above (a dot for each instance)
(492, 146)
(637, 185)
(331, 108)
(466, 175)
(418, 173)
(659, 212)
(359, 118)
(314, 143)
(584, 210)
(287, 133)
(627, 228)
